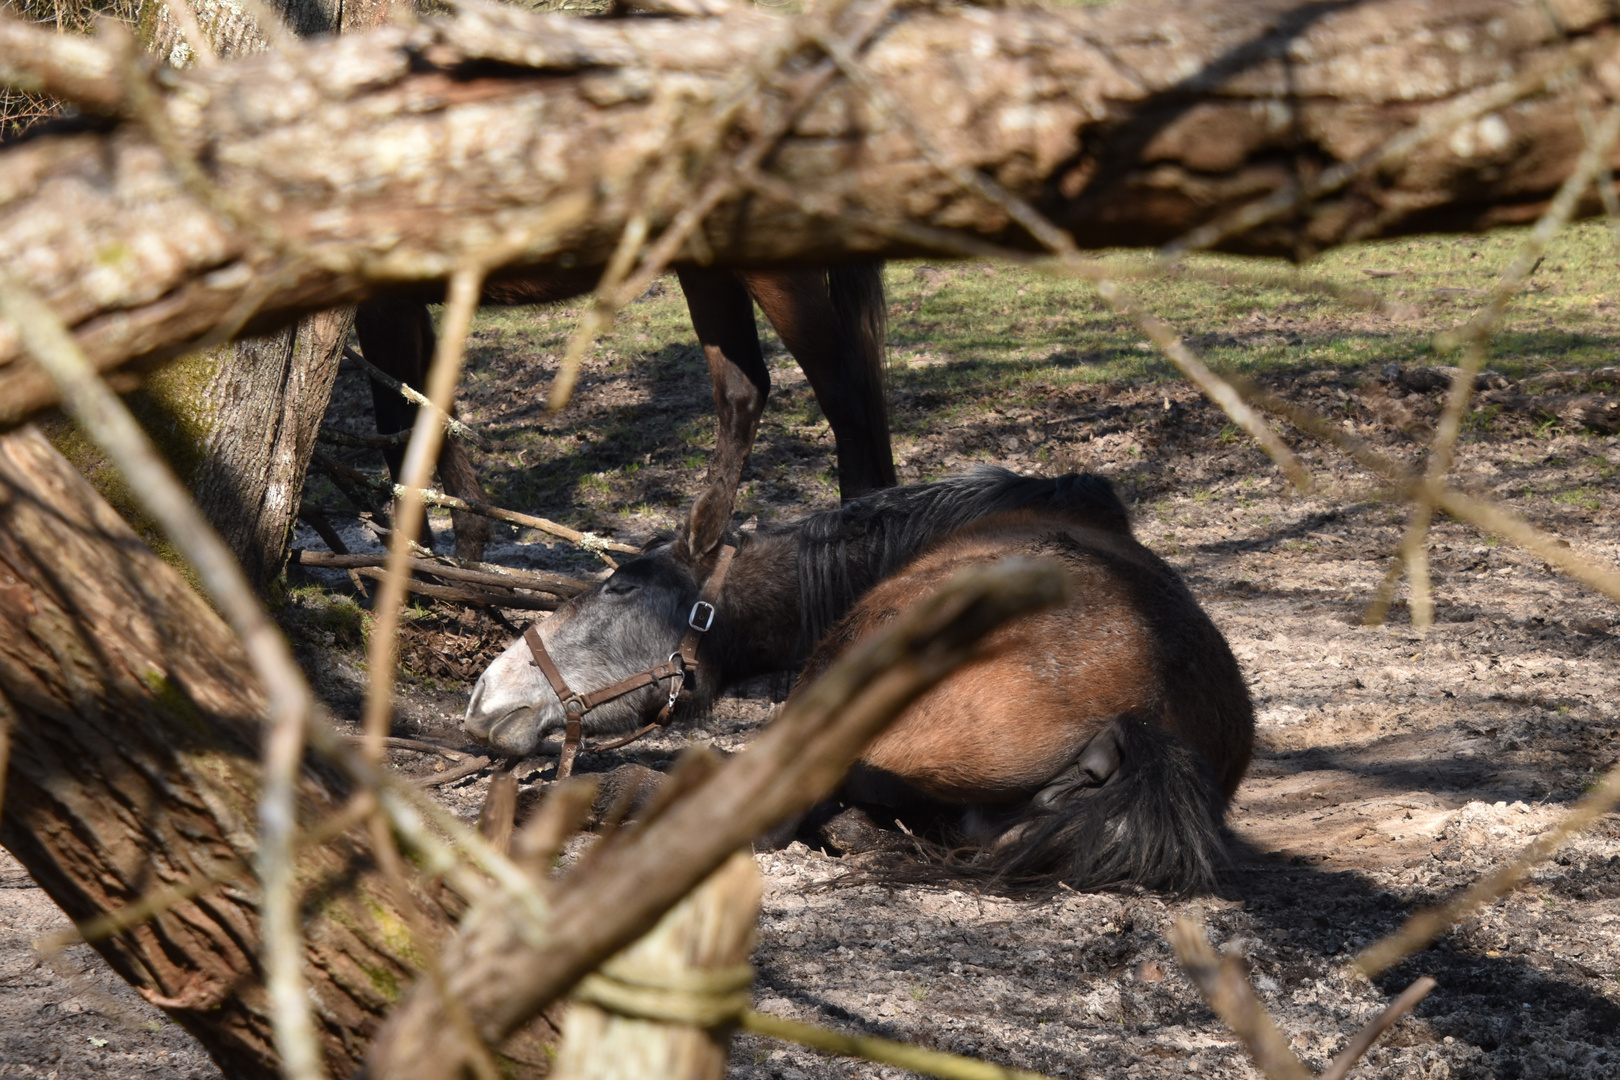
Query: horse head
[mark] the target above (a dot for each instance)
(634, 622)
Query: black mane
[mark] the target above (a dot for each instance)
(842, 553)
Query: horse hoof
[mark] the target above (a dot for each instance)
(623, 794)
(849, 832)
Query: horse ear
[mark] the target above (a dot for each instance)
(706, 527)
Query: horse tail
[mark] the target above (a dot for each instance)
(1156, 822)
(861, 321)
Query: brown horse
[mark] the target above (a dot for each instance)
(831, 320)
(1095, 744)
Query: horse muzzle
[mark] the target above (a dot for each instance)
(512, 728)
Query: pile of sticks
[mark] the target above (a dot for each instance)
(479, 586)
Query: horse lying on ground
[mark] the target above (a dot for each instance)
(831, 320)
(1094, 744)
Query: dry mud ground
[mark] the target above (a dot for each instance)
(1392, 769)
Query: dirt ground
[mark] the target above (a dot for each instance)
(1392, 768)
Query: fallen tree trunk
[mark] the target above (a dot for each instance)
(347, 167)
(238, 422)
(134, 723)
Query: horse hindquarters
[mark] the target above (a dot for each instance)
(1155, 822)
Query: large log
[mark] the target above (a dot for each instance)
(134, 722)
(345, 167)
(238, 421)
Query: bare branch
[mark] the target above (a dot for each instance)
(420, 454)
(1225, 985)
(415, 397)
(1216, 388)
(556, 584)
(1471, 339)
(1341, 1065)
(1425, 926)
(588, 541)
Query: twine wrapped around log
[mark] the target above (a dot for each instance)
(660, 1008)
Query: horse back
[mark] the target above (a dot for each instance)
(1130, 642)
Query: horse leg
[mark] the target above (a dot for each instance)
(396, 335)
(832, 322)
(723, 317)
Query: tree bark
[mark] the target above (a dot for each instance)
(503, 137)
(239, 421)
(134, 723)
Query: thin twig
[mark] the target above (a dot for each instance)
(1392, 152)
(1225, 985)
(917, 1059)
(465, 594)
(106, 420)
(1216, 388)
(613, 294)
(420, 454)
(1425, 926)
(1364, 1039)
(1032, 220)
(449, 776)
(585, 540)
(156, 902)
(426, 950)
(1471, 340)
(502, 578)
(415, 397)
(1486, 515)
(421, 746)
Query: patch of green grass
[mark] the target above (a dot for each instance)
(972, 344)
(1583, 497)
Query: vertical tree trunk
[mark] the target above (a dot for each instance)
(239, 422)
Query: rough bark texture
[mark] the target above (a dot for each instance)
(239, 421)
(261, 413)
(359, 162)
(134, 723)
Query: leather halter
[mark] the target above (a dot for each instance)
(680, 663)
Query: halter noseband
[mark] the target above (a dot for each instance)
(679, 664)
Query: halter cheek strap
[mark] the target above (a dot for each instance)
(677, 667)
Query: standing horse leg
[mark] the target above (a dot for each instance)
(832, 321)
(723, 317)
(397, 336)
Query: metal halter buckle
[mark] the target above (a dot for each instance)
(677, 683)
(707, 615)
(574, 705)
